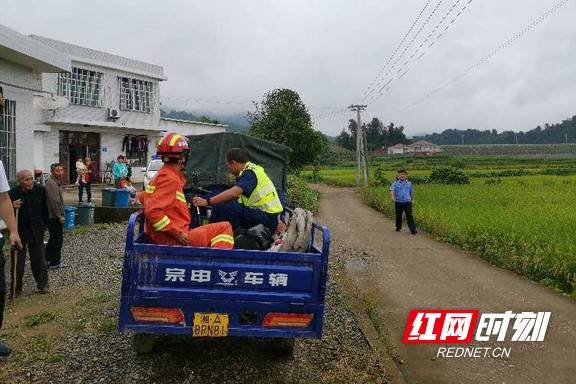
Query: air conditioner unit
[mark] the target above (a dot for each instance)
(113, 113)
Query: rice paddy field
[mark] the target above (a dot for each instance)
(523, 223)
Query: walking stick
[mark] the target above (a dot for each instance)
(14, 263)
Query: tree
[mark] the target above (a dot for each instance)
(282, 117)
(374, 134)
(344, 140)
(377, 135)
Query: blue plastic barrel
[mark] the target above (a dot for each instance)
(108, 197)
(69, 217)
(85, 214)
(122, 198)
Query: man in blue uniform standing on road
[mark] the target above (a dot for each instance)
(251, 201)
(402, 193)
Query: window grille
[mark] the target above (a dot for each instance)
(8, 137)
(81, 87)
(137, 158)
(136, 95)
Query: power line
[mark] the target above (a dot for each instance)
(332, 109)
(401, 72)
(365, 94)
(492, 53)
(407, 47)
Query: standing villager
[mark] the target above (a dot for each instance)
(402, 194)
(86, 181)
(30, 201)
(120, 171)
(251, 201)
(55, 217)
(80, 167)
(6, 214)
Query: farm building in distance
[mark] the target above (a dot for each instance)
(419, 148)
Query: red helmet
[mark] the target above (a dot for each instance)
(173, 145)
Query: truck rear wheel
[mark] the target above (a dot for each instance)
(143, 343)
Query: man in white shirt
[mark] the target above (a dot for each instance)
(7, 214)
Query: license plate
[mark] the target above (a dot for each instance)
(210, 324)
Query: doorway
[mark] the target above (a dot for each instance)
(74, 145)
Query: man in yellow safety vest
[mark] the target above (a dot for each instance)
(251, 201)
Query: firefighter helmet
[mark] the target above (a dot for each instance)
(173, 145)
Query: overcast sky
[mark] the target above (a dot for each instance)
(330, 51)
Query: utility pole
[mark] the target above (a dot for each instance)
(360, 153)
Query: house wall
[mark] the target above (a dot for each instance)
(95, 119)
(20, 76)
(110, 144)
(110, 96)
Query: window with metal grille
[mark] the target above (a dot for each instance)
(81, 87)
(137, 159)
(8, 137)
(136, 95)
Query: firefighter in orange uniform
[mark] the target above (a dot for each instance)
(165, 207)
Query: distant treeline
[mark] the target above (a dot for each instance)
(550, 134)
(377, 135)
(236, 123)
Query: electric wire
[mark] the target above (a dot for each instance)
(375, 80)
(406, 47)
(496, 51)
(421, 51)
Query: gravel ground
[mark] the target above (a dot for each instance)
(74, 340)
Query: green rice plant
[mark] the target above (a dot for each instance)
(527, 227)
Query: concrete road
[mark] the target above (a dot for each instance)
(402, 272)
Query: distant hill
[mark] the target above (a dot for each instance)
(551, 134)
(236, 122)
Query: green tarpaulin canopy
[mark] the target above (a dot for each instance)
(208, 157)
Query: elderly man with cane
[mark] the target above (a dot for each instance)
(31, 206)
(6, 214)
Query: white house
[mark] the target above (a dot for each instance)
(22, 62)
(419, 148)
(76, 102)
(397, 149)
(423, 147)
(114, 109)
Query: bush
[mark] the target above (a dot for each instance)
(449, 175)
(493, 181)
(419, 179)
(380, 179)
(557, 171)
(300, 195)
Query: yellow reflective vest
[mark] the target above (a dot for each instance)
(264, 197)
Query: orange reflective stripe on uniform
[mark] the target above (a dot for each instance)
(180, 196)
(222, 239)
(161, 224)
